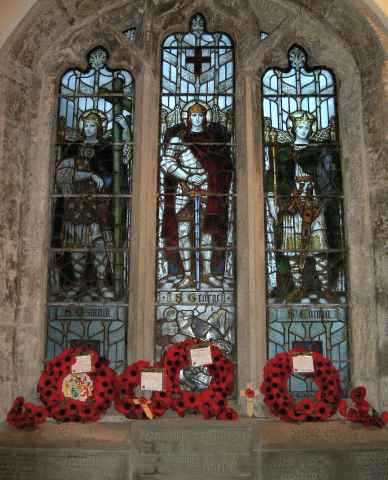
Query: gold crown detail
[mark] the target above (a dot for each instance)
(304, 118)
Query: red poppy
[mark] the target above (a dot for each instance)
(190, 399)
(378, 421)
(162, 398)
(358, 394)
(330, 396)
(363, 408)
(179, 406)
(228, 414)
(25, 414)
(88, 413)
(249, 393)
(343, 408)
(265, 388)
(306, 406)
(206, 410)
(352, 415)
(371, 421)
(295, 415)
(269, 400)
(384, 417)
(322, 411)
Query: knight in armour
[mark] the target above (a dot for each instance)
(197, 164)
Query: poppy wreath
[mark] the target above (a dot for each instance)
(361, 410)
(281, 403)
(210, 402)
(134, 407)
(100, 387)
(25, 415)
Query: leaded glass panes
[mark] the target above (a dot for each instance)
(196, 230)
(305, 247)
(89, 251)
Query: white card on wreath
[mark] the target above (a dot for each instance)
(303, 364)
(201, 356)
(152, 380)
(83, 364)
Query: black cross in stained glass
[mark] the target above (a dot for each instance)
(198, 60)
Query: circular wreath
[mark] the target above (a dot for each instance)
(98, 388)
(211, 402)
(127, 403)
(277, 372)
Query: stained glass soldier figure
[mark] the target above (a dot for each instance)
(198, 170)
(303, 171)
(86, 170)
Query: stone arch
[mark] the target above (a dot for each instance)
(55, 35)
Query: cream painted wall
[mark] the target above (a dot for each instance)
(383, 4)
(12, 12)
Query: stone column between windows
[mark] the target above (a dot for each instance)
(251, 318)
(142, 267)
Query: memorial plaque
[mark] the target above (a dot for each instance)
(66, 464)
(369, 465)
(292, 465)
(192, 450)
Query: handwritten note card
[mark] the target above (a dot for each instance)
(152, 380)
(201, 356)
(83, 364)
(303, 364)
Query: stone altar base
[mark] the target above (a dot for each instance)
(192, 448)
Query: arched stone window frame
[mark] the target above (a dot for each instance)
(52, 39)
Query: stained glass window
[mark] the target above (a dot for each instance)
(89, 251)
(196, 228)
(305, 247)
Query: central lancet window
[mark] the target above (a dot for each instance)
(196, 207)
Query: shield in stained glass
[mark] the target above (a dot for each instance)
(196, 207)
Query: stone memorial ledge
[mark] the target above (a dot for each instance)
(264, 434)
(194, 449)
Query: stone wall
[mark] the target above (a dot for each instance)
(193, 449)
(57, 34)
